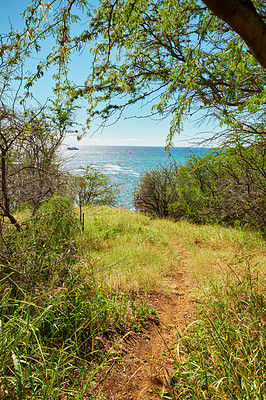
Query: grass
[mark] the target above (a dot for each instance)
(56, 320)
(65, 296)
(127, 251)
(53, 343)
(223, 355)
(130, 251)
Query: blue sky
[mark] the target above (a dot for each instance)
(128, 132)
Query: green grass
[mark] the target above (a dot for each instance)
(130, 251)
(55, 342)
(66, 295)
(223, 355)
(127, 251)
(56, 321)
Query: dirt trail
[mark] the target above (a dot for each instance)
(147, 357)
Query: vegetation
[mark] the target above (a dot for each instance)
(221, 186)
(65, 292)
(185, 58)
(223, 355)
(56, 319)
(157, 191)
(29, 167)
(96, 188)
(125, 245)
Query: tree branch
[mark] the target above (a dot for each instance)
(243, 18)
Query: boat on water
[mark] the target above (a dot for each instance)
(72, 148)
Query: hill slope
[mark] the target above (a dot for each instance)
(172, 266)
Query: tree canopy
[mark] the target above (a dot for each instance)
(30, 133)
(181, 57)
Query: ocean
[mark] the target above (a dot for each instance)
(124, 164)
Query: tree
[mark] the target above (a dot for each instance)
(221, 186)
(30, 135)
(179, 56)
(95, 188)
(224, 186)
(28, 164)
(244, 19)
(157, 192)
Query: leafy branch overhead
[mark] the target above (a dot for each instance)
(180, 57)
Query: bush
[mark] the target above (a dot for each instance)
(95, 189)
(224, 186)
(43, 249)
(157, 192)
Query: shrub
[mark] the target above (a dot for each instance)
(157, 191)
(95, 188)
(224, 186)
(43, 249)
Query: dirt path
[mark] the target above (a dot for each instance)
(147, 357)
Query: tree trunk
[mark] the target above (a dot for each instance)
(243, 18)
(6, 200)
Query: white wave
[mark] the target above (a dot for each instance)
(114, 169)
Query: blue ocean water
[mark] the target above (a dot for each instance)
(124, 165)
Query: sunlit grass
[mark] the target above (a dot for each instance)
(63, 299)
(214, 250)
(129, 251)
(223, 355)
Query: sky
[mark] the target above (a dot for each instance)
(130, 131)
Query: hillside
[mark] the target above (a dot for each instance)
(172, 266)
(124, 309)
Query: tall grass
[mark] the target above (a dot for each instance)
(223, 354)
(65, 295)
(127, 251)
(56, 321)
(48, 349)
(131, 251)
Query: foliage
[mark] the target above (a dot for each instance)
(95, 188)
(175, 55)
(44, 248)
(29, 168)
(55, 224)
(30, 133)
(224, 186)
(55, 318)
(222, 355)
(157, 191)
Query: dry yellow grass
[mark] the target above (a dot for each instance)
(129, 251)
